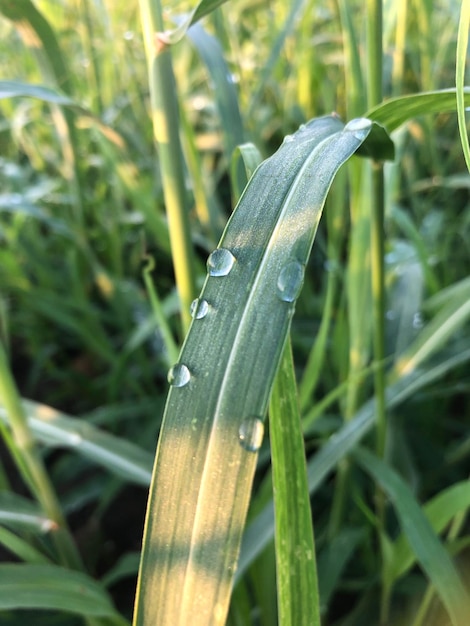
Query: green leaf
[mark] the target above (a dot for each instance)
(439, 511)
(396, 111)
(462, 46)
(430, 553)
(296, 572)
(454, 314)
(213, 420)
(56, 429)
(51, 587)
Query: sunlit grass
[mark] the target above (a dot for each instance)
(81, 211)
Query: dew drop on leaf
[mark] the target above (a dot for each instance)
(359, 127)
(199, 308)
(251, 433)
(290, 281)
(220, 262)
(179, 375)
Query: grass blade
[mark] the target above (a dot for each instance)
(297, 583)
(429, 551)
(396, 111)
(213, 424)
(439, 511)
(56, 429)
(462, 45)
(52, 587)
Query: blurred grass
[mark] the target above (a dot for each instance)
(79, 215)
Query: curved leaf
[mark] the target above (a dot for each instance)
(55, 588)
(213, 419)
(57, 429)
(396, 111)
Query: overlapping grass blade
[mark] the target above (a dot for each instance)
(14, 89)
(21, 548)
(213, 420)
(56, 429)
(439, 511)
(261, 528)
(429, 551)
(27, 586)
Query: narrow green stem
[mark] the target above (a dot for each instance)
(20, 441)
(164, 104)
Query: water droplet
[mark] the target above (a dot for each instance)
(418, 321)
(220, 262)
(75, 439)
(290, 281)
(199, 308)
(251, 433)
(288, 139)
(359, 127)
(178, 375)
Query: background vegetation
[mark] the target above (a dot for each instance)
(90, 326)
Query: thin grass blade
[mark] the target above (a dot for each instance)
(396, 111)
(55, 429)
(296, 570)
(439, 511)
(430, 553)
(462, 46)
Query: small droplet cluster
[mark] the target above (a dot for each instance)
(289, 283)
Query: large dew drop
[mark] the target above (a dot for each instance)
(359, 127)
(251, 433)
(290, 281)
(199, 308)
(178, 375)
(220, 262)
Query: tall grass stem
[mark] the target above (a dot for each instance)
(164, 106)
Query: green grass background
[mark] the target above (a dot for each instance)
(82, 207)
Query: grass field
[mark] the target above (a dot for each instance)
(122, 157)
